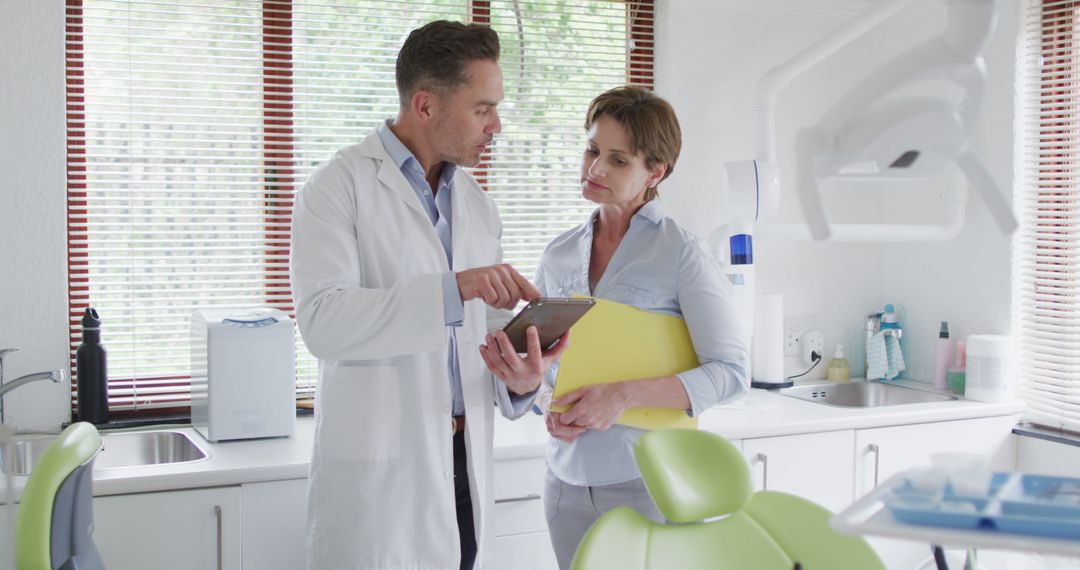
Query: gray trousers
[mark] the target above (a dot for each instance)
(571, 510)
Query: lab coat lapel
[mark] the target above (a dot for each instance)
(394, 181)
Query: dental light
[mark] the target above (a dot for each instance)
(880, 132)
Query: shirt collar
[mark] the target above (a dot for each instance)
(651, 211)
(401, 154)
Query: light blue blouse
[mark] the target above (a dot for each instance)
(657, 267)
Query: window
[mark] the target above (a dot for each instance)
(191, 126)
(1048, 249)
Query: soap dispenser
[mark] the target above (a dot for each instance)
(838, 370)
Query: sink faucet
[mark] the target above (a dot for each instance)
(56, 376)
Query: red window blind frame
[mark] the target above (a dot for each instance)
(1055, 162)
(480, 13)
(78, 278)
(279, 148)
(279, 175)
(279, 153)
(640, 61)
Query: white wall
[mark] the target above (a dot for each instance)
(1044, 457)
(710, 56)
(33, 255)
(967, 280)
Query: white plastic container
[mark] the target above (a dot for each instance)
(243, 374)
(989, 376)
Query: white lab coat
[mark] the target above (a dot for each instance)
(366, 270)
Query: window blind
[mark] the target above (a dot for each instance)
(1048, 249)
(192, 124)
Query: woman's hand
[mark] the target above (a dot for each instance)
(560, 431)
(597, 406)
(521, 374)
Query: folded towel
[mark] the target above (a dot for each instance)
(894, 356)
(877, 359)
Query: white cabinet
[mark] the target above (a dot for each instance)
(183, 530)
(530, 551)
(883, 452)
(275, 525)
(815, 466)
(7, 537)
(521, 538)
(519, 507)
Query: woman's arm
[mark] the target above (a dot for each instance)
(600, 405)
(708, 306)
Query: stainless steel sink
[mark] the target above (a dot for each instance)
(863, 394)
(120, 450)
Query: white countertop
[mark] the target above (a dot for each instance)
(759, 414)
(764, 414)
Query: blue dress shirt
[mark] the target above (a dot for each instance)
(439, 209)
(657, 267)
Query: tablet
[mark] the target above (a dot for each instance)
(552, 316)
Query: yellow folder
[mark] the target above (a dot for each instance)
(615, 342)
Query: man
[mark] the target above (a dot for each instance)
(396, 270)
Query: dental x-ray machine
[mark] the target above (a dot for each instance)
(873, 133)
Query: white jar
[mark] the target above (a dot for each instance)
(989, 376)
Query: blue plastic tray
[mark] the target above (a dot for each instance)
(1015, 503)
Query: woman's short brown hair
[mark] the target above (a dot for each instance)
(649, 121)
(434, 56)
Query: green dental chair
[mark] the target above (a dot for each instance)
(701, 484)
(55, 517)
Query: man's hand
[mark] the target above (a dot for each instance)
(560, 431)
(597, 406)
(521, 374)
(500, 286)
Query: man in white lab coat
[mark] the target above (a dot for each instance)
(395, 267)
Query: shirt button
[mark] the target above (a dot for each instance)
(448, 474)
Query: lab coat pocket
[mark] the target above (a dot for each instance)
(360, 412)
(481, 250)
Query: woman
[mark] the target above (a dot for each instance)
(629, 252)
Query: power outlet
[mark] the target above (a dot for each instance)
(813, 344)
(794, 327)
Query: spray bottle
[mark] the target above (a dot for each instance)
(943, 357)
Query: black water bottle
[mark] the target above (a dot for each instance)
(90, 365)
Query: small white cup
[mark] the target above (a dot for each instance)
(968, 473)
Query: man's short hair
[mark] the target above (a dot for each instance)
(435, 56)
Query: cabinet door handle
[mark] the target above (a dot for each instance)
(217, 515)
(529, 497)
(877, 460)
(764, 459)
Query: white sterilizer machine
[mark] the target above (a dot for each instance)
(243, 373)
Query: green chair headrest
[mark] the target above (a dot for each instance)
(693, 475)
